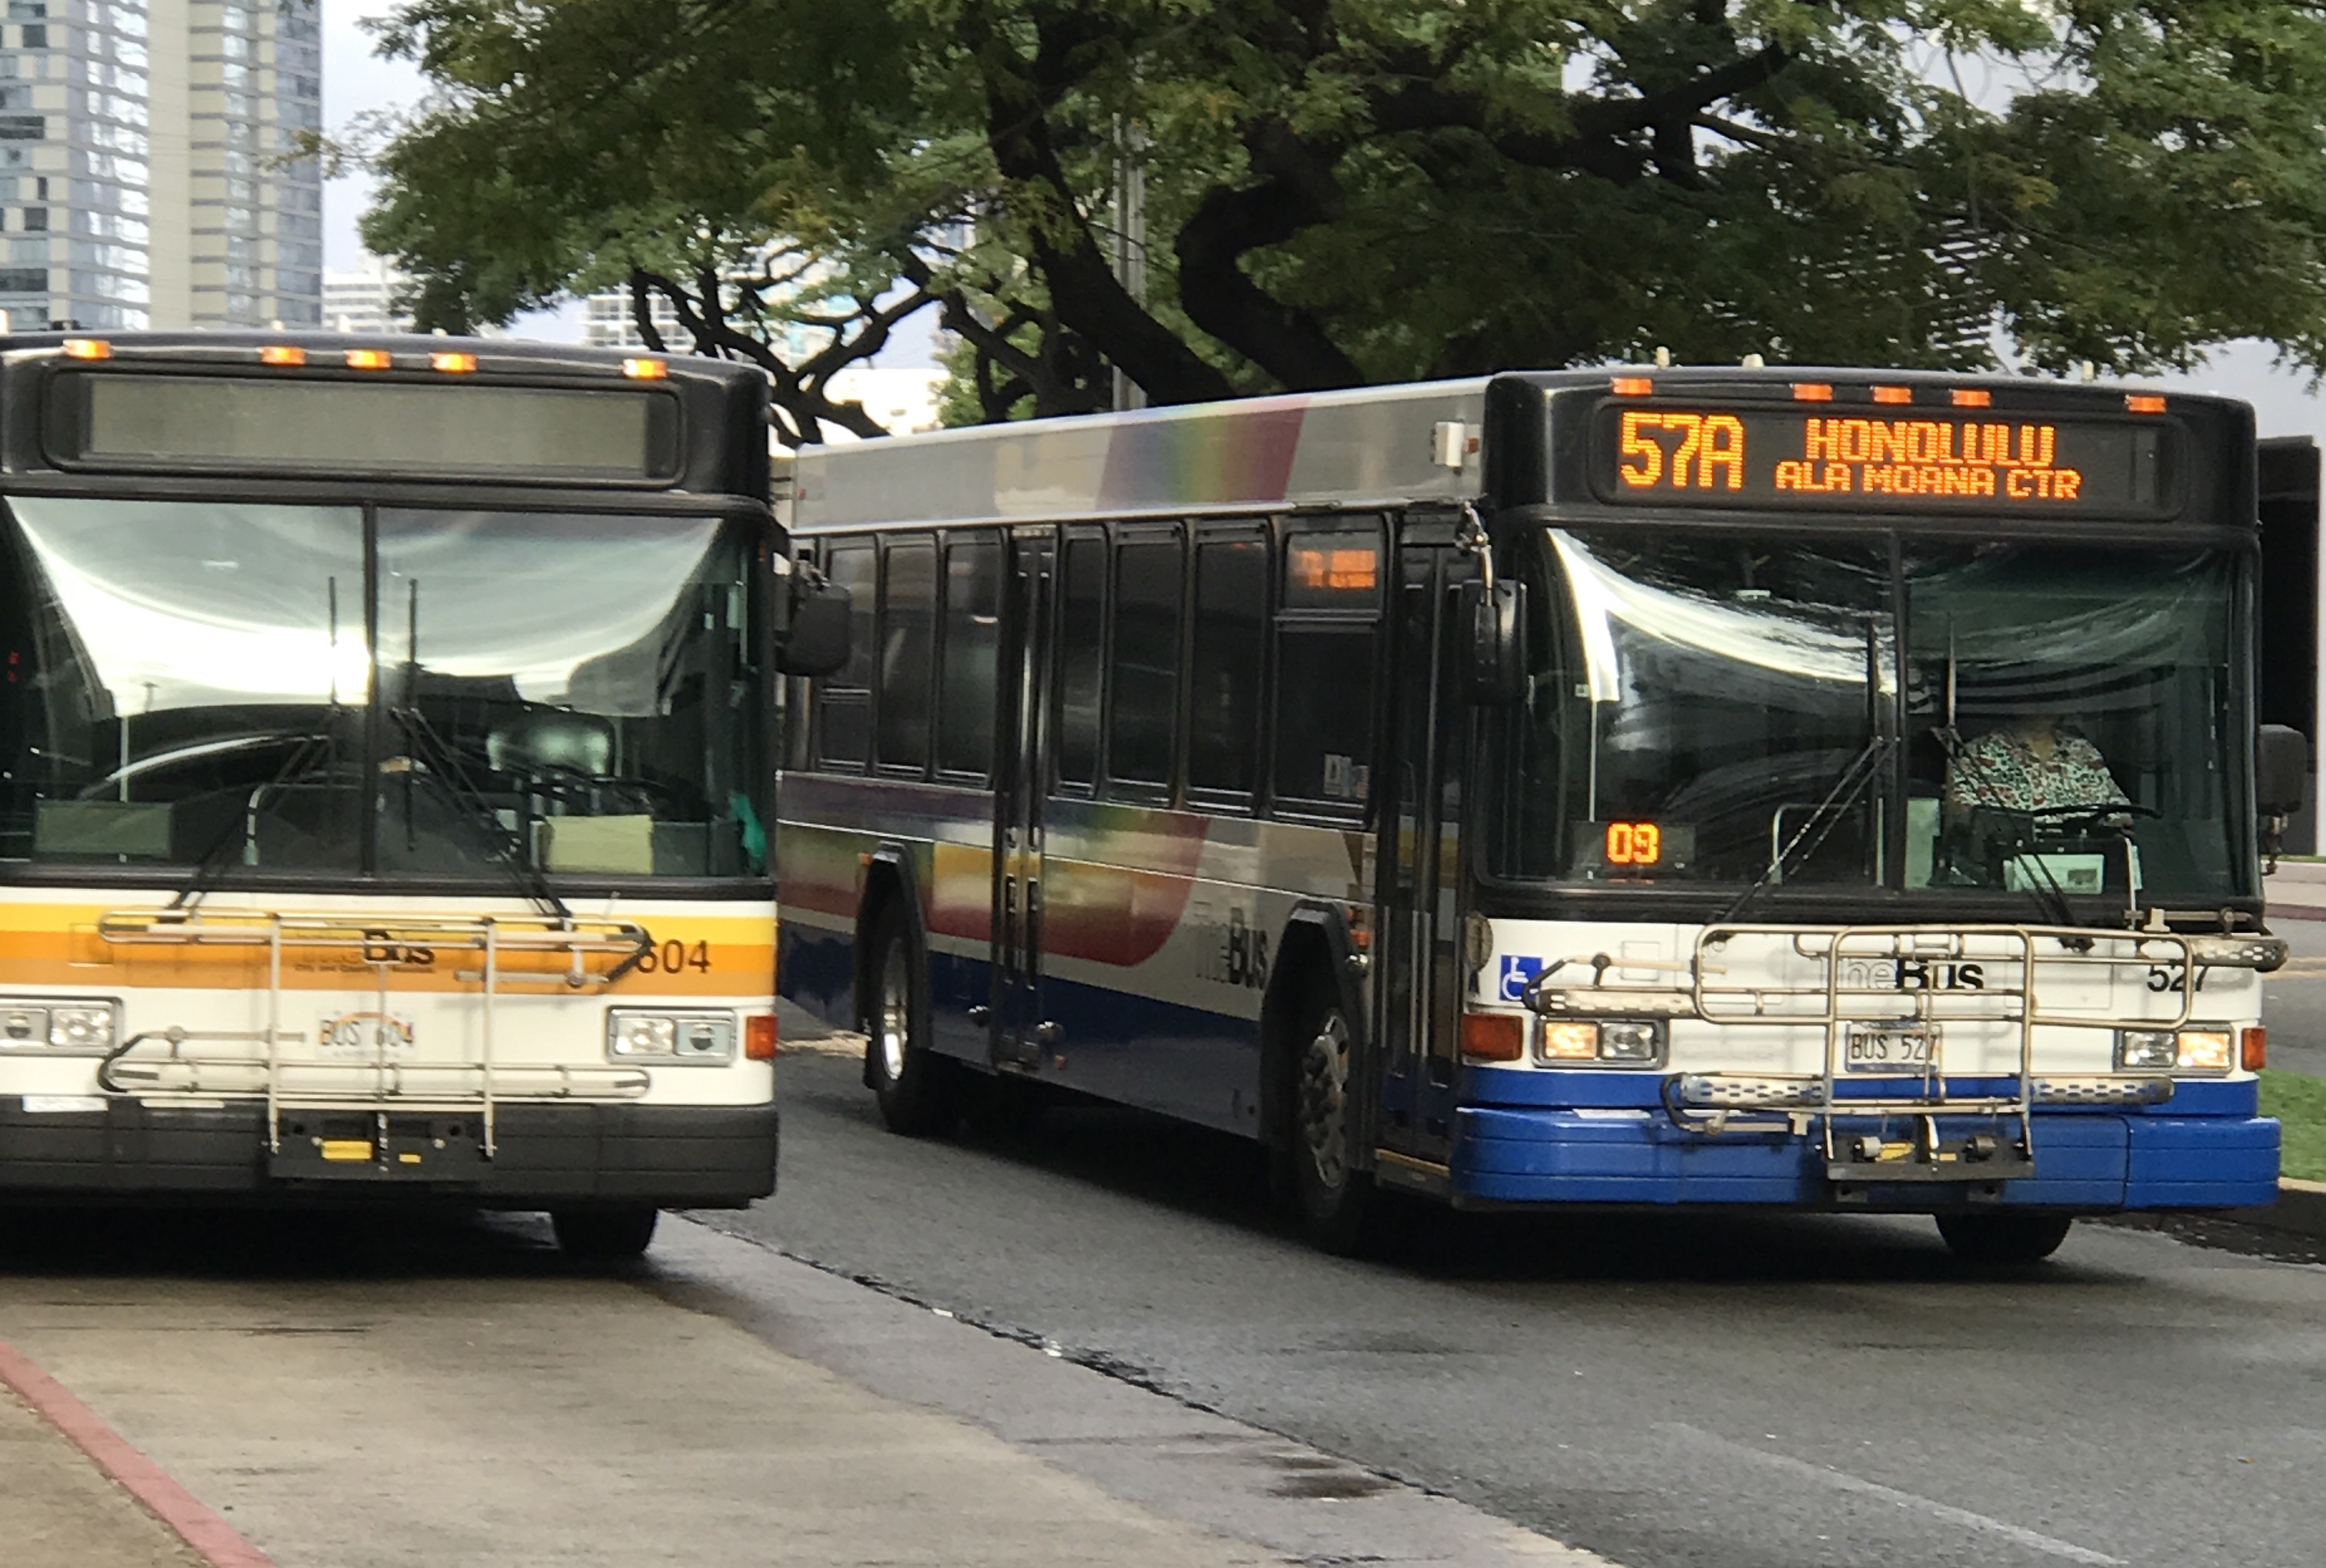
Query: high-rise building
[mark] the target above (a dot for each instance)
(145, 170)
(363, 300)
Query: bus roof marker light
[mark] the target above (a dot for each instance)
(1894, 395)
(647, 369)
(1812, 392)
(88, 348)
(2145, 402)
(282, 354)
(1633, 386)
(452, 364)
(1971, 397)
(370, 360)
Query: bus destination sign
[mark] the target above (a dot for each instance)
(1772, 459)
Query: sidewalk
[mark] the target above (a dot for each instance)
(2296, 890)
(59, 1510)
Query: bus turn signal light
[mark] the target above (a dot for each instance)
(88, 348)
(370, 360)
(1494, 1036)
(282, 354)
(2253, 1053)
(759, 1037)
(646, 369)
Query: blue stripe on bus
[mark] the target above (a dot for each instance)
(1616, 1088)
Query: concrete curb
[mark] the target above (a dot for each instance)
(2300, 1209)
(2277, 910)
(212, 1539)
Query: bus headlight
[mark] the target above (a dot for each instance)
(1623, 1040)
(80, 1028)
(2166, 1050)
(635, 1033)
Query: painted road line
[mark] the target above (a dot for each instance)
(1842, 1481)
(213, 1540)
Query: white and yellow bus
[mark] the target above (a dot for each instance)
(384, 758)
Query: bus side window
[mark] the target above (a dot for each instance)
(972, 630)
(908, 608)
(1082, 626)
(1326, 640)
(1143, 720)
(1225, 678)
(843, 702)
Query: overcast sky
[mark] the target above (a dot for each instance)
(355, 80)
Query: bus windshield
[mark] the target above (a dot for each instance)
(1917, 715)
(436, 692)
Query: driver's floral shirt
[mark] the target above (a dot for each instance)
(2000, 769)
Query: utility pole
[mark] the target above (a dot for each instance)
(1129, 238)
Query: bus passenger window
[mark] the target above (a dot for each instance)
(908, 596)
(972, 625)
(1224, 706)
(1082, 624)
(844, 701)
(1325, 713)
(1144, 718)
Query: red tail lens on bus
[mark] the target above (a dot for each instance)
(1812, 392)
(759, 1037)
(1633, 386)
(282, 354)
(1894, 395)
(2253, 1053)
(452, 364)
(88, 348)
(1971, 397)
(370, 360)
(646, 369)
(1494, 1036)
(2143, 402)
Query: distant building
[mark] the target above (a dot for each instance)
(363, 300)
(608, 322)
(903, 401)
(143, 180)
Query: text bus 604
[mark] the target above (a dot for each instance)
(1820, 789)
(384, 776)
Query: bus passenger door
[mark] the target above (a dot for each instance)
(1419, 981)
(1021, 1029)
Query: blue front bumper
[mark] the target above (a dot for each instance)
(2206, 1149)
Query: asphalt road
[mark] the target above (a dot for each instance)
(1747, 1391)
(2293, 1000)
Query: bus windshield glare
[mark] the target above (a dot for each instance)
(1789, 710)
(444, 694)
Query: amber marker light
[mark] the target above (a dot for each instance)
(1633, 386)
(1494, 1036)
(646, 369)
(1971, 397)
(2144, 401)
(282, 354)
(1812, 392)
(452, 364)
(88, 348)
(370, 360)
(1894, 395)
(2253, 1053)
(759, 1037)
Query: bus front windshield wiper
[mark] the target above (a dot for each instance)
(2043, 887)
(315, 752)
(442, 769)
(1847, 791)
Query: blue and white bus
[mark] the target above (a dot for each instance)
(1821, 790)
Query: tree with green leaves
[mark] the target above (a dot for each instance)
(1342, 191)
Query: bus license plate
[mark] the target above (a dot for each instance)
(1888, 1049)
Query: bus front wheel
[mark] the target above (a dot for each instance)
(2004, 1237)
(603, 1236)
(1335, 1196)
(908, 1078)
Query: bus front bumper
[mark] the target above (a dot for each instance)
(2205, 1149)
(542, 1157)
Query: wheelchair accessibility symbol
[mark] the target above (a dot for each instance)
(1517, 973)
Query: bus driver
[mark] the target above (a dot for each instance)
(2031, 764)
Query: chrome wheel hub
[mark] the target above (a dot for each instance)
(1324, 1099)
(894, 1025)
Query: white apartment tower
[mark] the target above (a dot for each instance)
(144, 176)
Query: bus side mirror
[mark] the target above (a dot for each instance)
(2281, 770)
(1496, 620)
(817, 631)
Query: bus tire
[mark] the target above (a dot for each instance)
(912, 1083)
(1335, 1198)
(2004, 1238)
(604, 1235)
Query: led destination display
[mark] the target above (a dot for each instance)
(1762, 458)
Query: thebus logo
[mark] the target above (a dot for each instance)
(1234, 952)
(381, 947)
